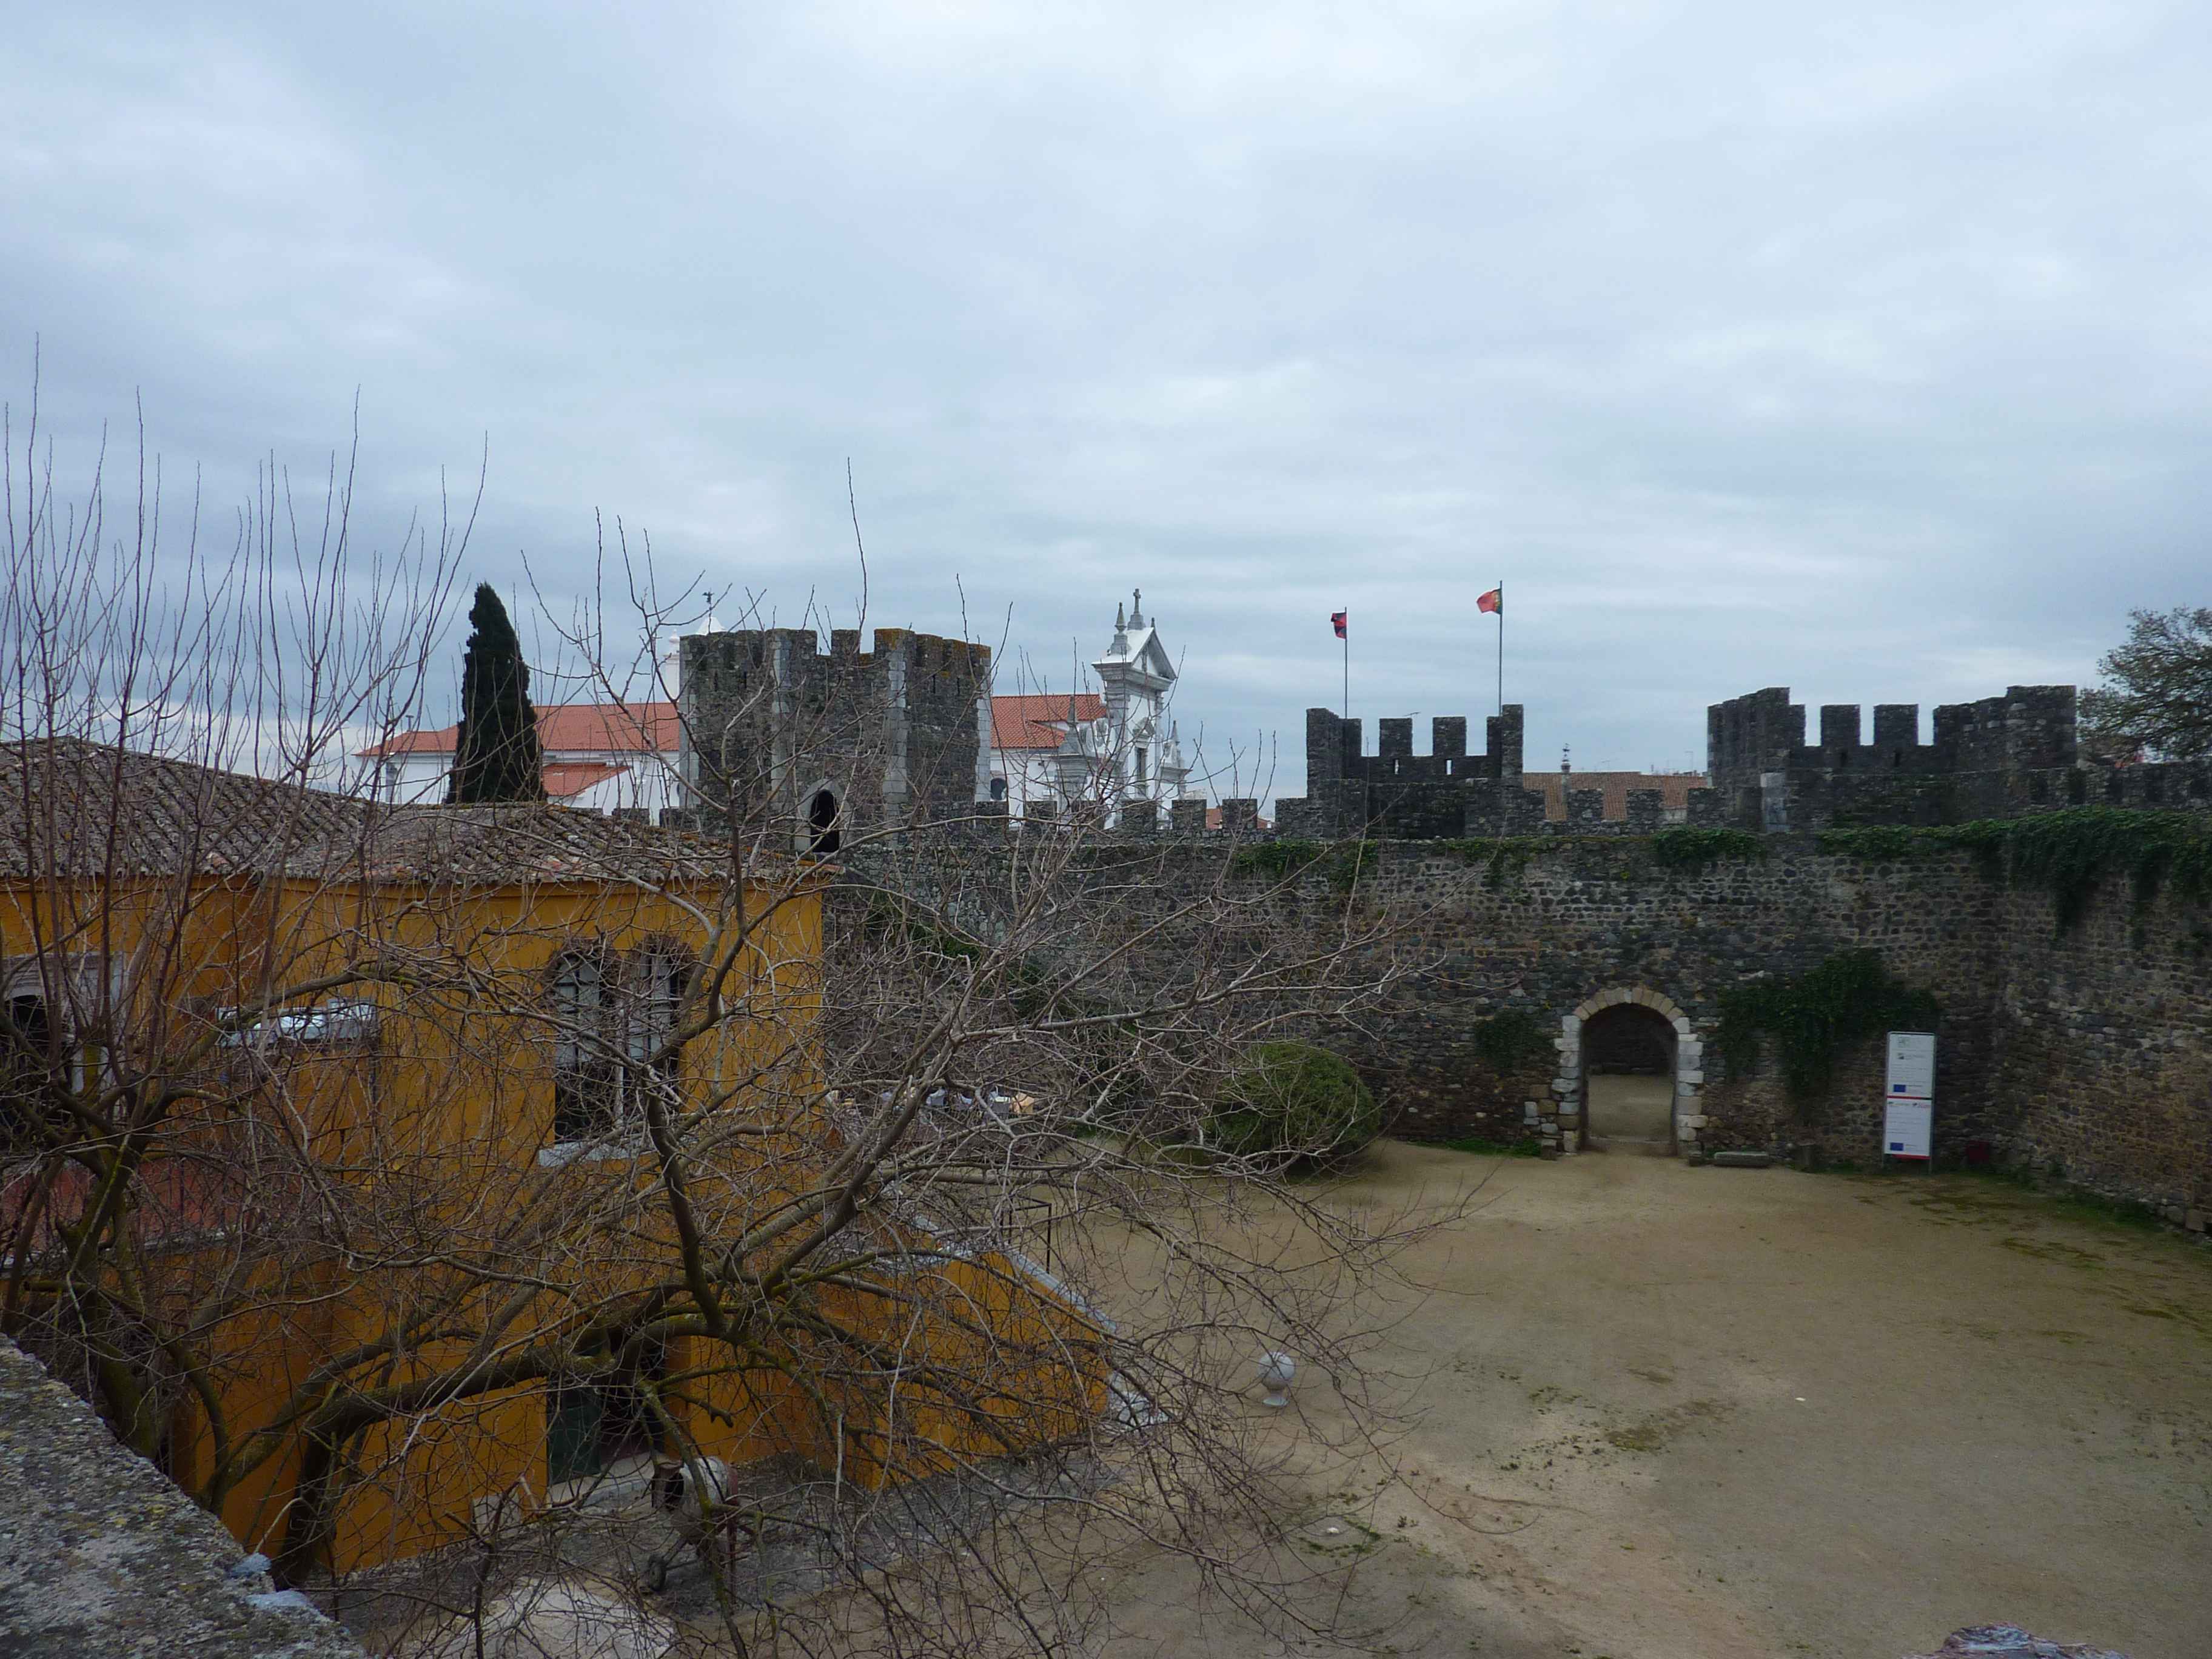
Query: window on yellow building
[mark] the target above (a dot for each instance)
(613, 1019)
(588, 1069)
(655, 995)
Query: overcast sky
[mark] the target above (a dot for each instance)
(1862, 349)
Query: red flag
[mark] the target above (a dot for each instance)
(1492, 602)
(1336, 620)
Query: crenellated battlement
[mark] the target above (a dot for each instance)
(823, 743)
(2030, 727)
(2001, 756)
(1396, 792)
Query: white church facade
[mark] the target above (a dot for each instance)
(1098, 749)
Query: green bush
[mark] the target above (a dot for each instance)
(1296, 1105)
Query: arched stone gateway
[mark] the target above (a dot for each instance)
(1622, 1025)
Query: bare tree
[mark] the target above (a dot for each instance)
(461, 1199)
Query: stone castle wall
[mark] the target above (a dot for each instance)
(2091, 1053)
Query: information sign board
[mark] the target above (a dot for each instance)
(1907, 1127)
(1908, 1118)
(1911, 1065)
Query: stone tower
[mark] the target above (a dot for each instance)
(800, 749)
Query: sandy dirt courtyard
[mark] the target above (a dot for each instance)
(1672, 1413)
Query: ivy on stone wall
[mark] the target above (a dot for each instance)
(2070, 854)
(1280, 860)
(1350, 864)
(1501, 856)
(1677, 851)
(1811, 1017)
(1885, 844)
(1508, 1041)
(1693, 849)
(1277, 858)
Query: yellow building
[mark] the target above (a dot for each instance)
(371, 1165)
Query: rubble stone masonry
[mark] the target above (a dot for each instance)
(2087, 1055)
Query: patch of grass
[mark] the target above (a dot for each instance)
(1484, 1148)
(2128, 1212)
(1944, 1201)
(1358, 1539)
(2013, 1187)
(2012, 1333)
(2195, 1320)
(2050, 1249)
(1656, 1431)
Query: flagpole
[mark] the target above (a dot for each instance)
(1347, 668)
(1501, 658)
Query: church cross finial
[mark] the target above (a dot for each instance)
(1137, 609)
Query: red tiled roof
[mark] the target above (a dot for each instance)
(639, 728)
(565, 780)
(1039, 721)
(1213, 819)
(1674, 788)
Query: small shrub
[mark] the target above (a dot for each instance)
(1295, 1104)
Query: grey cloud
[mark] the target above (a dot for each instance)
(1862, 352)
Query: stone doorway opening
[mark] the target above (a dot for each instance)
(1628, 1071)
(1629, 1074)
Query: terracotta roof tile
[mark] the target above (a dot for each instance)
(636, 728)
(1674, 788)
(1039, 721)
(566, 780)
(83, 810)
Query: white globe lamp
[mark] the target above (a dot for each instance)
(1277, 1371)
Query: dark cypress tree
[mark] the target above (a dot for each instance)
(498, 756)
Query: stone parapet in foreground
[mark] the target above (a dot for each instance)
(101, 1554)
